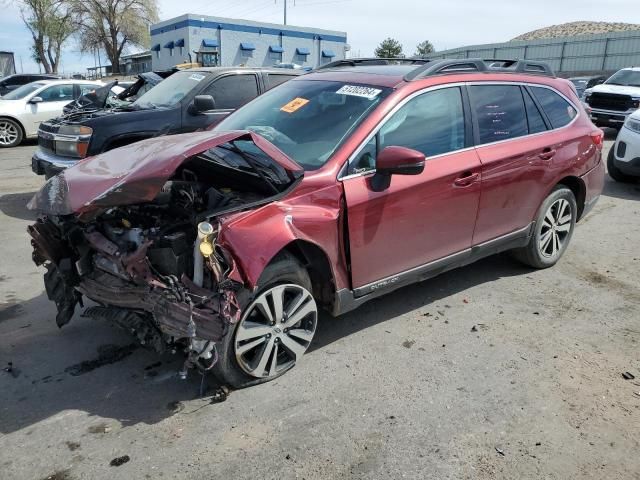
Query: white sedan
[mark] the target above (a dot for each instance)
(623, 163)
(23, 109)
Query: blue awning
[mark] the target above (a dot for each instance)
(155, 48)
(169, 45)
(328, 53)
(180, 43)
(276, 49)
(303, 51)
(247, 46)
(207, 42)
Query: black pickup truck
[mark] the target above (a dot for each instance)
(188, 100)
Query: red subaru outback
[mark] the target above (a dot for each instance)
(327, 191)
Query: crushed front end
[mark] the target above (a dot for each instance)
(139, 239)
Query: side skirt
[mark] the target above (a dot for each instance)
(347, 300)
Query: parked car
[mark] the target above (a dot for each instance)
(613, 101)
(333, 189)
(623, 163)
(117, 93)
(11, 82)
(23, 109)
(188, 100)
(582, 83)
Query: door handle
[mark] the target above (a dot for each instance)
(466, 179)
(547, 154)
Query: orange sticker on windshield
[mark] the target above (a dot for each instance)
(294, 105)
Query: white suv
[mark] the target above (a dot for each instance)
(614, 100)
(23, 109)
(623, 163)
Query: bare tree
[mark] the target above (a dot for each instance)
(50, 24)
(113, 24)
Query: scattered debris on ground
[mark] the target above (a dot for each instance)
(73, 446)
(11, 370)
(628, 376)
(408, 343)
(116, 462)
(107, 354)
(500, 451)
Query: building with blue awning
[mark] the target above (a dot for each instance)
(217, 41)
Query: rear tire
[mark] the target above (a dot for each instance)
(614, 172)
(552, 233)
(276, 350)
(10, 133)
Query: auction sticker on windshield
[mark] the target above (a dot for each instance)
(196, 76)
(359, 91)
(294, 105)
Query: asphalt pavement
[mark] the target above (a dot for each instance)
(490, 371)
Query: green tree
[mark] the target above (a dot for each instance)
(111, 25)
(424, 48)
(50, 24)
(389, 48)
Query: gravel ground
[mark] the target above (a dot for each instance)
(404, 387)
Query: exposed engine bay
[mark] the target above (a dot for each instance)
(155, 268)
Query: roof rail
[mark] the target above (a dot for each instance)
(490, 65)
(354, 62)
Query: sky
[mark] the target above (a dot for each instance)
(447, 24)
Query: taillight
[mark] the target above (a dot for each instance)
(598, 138)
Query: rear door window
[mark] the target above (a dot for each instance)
(233, 91)
(534, 117)
(558, 110)
(499, 111)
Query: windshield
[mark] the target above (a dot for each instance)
(307, 119)
(628, 78)
(22, 91)
(169, 92)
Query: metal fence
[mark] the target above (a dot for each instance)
(579, 55)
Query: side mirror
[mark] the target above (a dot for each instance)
(202, 103)
(35, 100)
(396, 161)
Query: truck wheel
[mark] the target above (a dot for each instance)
(614, 172)
(10, 133)
(553, 230)
(277, 326)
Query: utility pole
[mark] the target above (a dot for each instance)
(285, 12)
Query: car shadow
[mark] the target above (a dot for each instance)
(88, 366)
(15, 205)
(415, 296)
(97, 368)
(624, 191)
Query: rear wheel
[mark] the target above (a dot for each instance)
(276, 328)
(553, 230)
(614, 172)
(10, 133)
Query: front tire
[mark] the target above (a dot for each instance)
(614, 172)
(10, 133)
(277, 326)
(554, 227)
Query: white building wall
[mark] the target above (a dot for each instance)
(194, 28)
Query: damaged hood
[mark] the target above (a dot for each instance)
(136, 173)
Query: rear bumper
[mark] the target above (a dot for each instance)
(48, 164)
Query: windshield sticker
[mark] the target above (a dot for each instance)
(196, 76)
(359, 91)
(294, 105)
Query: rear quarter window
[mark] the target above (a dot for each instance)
(558, 110)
